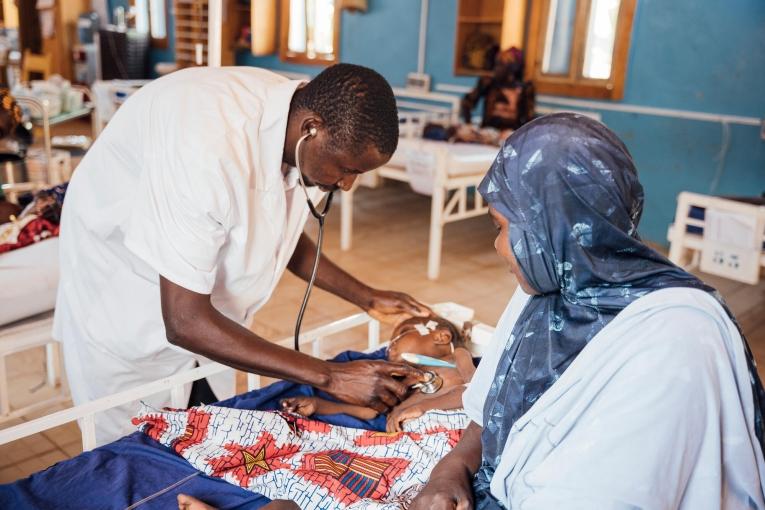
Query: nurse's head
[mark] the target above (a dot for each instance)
(353, 112)
(566, 200)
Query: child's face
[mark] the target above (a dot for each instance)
(436, 343)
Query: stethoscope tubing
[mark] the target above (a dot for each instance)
(320, 216)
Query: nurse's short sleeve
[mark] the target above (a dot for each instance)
(178, 222)
(474, 396)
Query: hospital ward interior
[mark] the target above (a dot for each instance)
(382, 254)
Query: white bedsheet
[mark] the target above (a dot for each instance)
(28, 280)
(467, 158)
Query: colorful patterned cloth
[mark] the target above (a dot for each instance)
(29, 231)
(317, 465)
(38, 221)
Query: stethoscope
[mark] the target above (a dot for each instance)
(433, 382)
(320, 217)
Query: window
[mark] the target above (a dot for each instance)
(579, 47)
(151, 17)
(310, 31)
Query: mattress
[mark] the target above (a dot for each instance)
(28, 279)
(466, 158)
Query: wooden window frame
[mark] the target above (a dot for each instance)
(302, 58)
(157, 42)
(574, 84)
(161, 42)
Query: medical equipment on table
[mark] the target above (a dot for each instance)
(421, 359)
(320, 218)
(433, 383)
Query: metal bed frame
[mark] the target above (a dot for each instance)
(450, 199)
(86, 412)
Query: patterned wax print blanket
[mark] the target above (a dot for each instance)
(315, 464)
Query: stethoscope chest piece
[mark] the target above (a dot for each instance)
(433, 383)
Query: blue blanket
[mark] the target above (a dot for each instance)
(123, 473)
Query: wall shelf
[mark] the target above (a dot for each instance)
(479, 27)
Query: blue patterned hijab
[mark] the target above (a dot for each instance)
(569, 188)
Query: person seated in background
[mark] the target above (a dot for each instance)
(12, 125)
(304, 463)
(15, 138)
(39, 220)
(508, 101)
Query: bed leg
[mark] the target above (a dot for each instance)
(52, 363)
(346, 219)
(88, 427)
(253, 382)
(436, 231)
(5, 404)
(374, 334)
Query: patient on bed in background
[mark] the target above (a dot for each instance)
(435, 337)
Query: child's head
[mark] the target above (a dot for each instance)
(431, 336)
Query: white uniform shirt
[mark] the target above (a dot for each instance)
(656, 412)
(185, 182)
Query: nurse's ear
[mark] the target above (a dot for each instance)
(310, 126)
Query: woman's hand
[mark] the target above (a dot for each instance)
(400, 414)
(380, 385)
(393, 307)
(446, 492)
(451, 482)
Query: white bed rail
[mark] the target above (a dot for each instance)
(86, 412)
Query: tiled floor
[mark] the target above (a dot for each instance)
(390, 251)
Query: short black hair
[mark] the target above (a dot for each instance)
(357, 106)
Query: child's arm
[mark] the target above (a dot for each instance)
(308, 406)
(449, 399)
(464, 361)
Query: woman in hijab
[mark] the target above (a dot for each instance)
(617, 380)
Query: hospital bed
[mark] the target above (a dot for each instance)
(137, 472)
(29, 280)
(445, 171)
(721, 236)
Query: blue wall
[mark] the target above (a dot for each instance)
(386, 39)
(699, 55)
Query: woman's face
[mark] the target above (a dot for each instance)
(502, 245)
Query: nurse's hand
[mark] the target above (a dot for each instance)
(376, 384)
(393, 307)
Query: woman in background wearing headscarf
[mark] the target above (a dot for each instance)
(617, 380)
